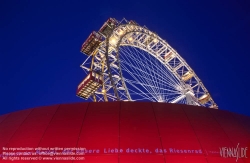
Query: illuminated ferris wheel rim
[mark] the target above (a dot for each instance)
(136, 36)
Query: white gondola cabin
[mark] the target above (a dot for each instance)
(89, 85)
(188, 75)
(204, 98)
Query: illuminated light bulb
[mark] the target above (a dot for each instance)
(120, 33)
(130, 38)
(155, 40)
(113, 40)
(103, 91)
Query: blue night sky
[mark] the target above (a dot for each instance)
(40, 43)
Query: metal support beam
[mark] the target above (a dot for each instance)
(108, 66)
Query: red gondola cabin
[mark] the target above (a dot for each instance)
(108, 27)
(89, 85)
(92, 42)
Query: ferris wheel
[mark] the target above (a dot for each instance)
(128, 62)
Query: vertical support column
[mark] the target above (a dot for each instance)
(108, 66)
(94, 97)
(103, 85)
(191, 100)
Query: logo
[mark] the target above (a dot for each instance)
(237, 152)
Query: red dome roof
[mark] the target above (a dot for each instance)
(129, 132)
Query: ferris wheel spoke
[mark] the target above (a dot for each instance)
(141, 92)
(163, 72)
(139, 83)
(155, 87)
(140, 70)
(142, 77)
(159, 75)
(149, 89)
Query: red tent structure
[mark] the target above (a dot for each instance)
(125, 132)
